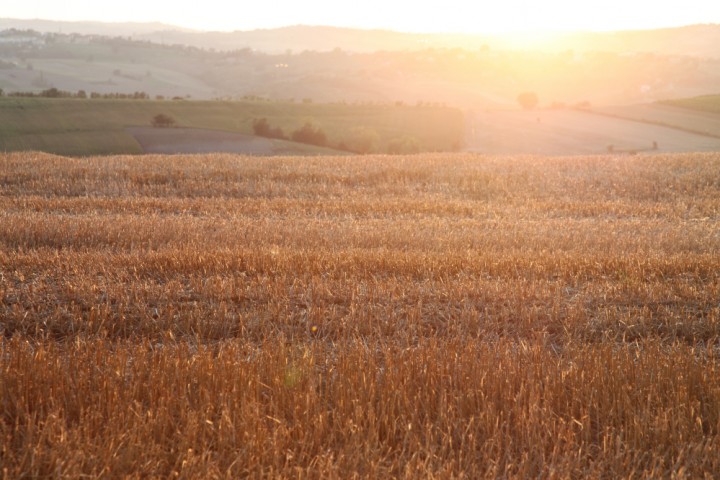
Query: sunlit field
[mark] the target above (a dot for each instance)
(437, 315)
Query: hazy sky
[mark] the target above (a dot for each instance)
(417, 16)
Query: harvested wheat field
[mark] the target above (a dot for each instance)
(431, 316)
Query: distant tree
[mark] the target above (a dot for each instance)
(1, 92)
(362, 140)
(310, 134)
(262, 128)
(81, 94)
(51, 93)
(528, 100)
(277, 132)
(162, 121)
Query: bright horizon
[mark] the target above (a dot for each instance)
(450, 16)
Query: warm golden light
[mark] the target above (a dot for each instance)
(451, 16)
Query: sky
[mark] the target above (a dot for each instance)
(449, 16)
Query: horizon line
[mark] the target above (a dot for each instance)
(531, 31)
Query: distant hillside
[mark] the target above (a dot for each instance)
(704, 103)
(324, 64)
(88, 28)
(694, 40)
(73, 126)
(317, 38)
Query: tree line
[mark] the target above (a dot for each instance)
(308, 133)
(360, 139)
(57, 93)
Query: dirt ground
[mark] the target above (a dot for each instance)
(572, 132)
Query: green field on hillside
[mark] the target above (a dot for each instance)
(705, 103)
(73, 126)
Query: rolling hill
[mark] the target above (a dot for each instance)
(343, 65)
(692, 40)
(73, 126)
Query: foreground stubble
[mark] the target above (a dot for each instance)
(434, 315)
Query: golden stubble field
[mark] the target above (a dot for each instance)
(444, 315)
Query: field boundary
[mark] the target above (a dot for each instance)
(653, 122)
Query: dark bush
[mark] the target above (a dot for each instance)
(528, 100)
(310, 134)
(262, 128)
(162, 121)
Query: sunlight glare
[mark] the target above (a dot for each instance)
(449, 16)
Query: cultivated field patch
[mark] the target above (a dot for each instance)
(577, 132)
(670, 114)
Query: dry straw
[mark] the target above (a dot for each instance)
(429, 316)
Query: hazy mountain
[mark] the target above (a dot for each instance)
(695, 40)
(89, 28)
(316, 38)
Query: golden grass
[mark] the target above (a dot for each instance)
(424, 316)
